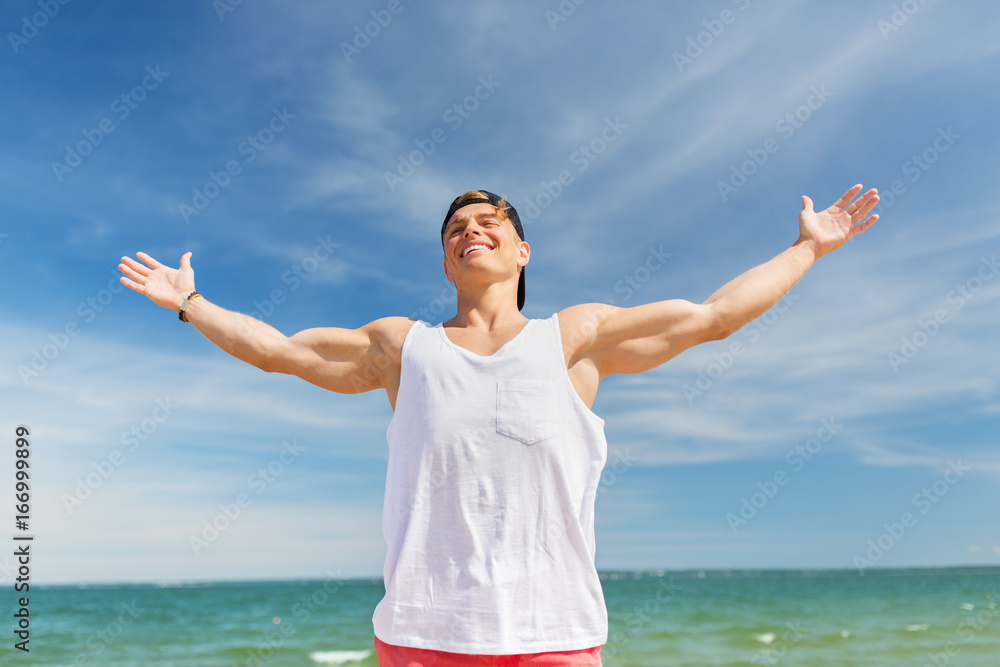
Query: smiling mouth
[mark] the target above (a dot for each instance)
(475, 248)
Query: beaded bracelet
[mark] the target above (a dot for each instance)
(184, 304)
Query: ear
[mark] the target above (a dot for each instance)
(447, 273)
(525, 253)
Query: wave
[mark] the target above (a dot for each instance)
(338, 657)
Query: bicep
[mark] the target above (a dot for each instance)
(346, 361)
(638, 339)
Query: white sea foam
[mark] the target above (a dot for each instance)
(917, 627)
(766, 638)
(338, 657)
(967, 606)
(845, 634)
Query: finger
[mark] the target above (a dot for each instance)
(134, 275)
(135, 266)
(186, 260)
(861, 201)
(867, 204)
(153, 264)
(135, 287)
(848, 196)
(807, 204)
(863, 226)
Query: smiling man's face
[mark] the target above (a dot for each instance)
(476, 238)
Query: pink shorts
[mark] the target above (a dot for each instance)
(405, 656)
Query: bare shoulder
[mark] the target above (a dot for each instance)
(579, 324)
(388, 334)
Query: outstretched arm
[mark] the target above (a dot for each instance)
(752, 294)
(633, 340)
(347, 361)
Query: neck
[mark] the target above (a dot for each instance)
(490, 308)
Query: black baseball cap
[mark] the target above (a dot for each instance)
(508, 210)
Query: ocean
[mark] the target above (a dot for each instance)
(921, 617)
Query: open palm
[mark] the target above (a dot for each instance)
(832, 228)
(164, 285)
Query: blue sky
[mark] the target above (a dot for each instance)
(307, 166)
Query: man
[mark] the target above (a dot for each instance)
(494, 453)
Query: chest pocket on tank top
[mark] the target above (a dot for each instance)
(525, 410)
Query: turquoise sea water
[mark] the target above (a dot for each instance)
(818, 618)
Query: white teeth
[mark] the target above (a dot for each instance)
(473, 247)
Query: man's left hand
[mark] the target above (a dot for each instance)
(832, 228)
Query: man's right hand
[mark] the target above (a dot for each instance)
(163, 285)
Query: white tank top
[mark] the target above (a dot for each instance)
(494, 464)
